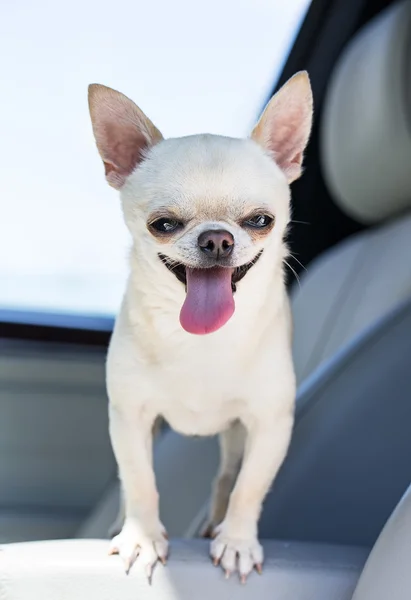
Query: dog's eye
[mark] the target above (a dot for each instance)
(259, 221)
(165, 225)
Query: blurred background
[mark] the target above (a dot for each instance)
(192, 67)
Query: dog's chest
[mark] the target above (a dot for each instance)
(204, 421)
(201, 389)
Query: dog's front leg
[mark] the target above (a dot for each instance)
(235, 545)
(117, 526)
(231, 453)
(142, 533)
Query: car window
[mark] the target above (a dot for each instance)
(192, 68)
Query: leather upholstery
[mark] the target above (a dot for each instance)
(365, 129)
(349, 459)
(81, 570)
(387, 573)
(348, 289)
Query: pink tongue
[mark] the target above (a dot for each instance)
(209, 302)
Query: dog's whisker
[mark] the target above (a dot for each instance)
(171, 264)
(294, 272)
(254, 260)
(300, 222)
(300, 263)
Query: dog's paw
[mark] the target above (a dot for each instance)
(241, 554)
(135, 542)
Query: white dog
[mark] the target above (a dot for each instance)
(208, 216)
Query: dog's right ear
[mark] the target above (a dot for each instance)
(284, 127)
(122, 131)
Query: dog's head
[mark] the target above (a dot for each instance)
(208, 207)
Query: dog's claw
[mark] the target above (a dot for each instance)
(131, 544)
(236, 554)
(227, 574)
(259, 569)
(127, 566)
(163, 560)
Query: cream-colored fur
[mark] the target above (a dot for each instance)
(238, 381)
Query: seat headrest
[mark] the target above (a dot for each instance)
(365, 138)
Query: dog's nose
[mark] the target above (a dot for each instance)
(216, 243)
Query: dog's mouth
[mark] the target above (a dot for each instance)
(209, 302)
(179, 270)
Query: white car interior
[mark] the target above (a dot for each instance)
(337, 523)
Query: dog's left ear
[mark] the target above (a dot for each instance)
(284, 127)
(122, 131)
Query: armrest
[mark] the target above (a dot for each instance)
(81, 570)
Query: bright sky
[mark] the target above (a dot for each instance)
(192, 68)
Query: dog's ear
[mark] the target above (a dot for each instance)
(284, 127)
(122, 131)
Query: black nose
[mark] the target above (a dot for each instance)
(216, 243)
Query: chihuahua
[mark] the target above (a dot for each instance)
(203, 336)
